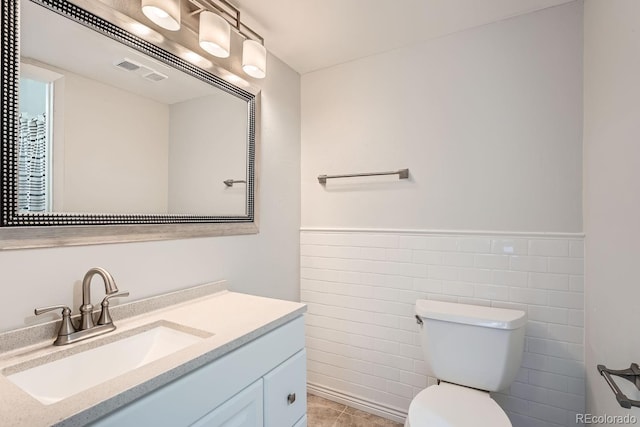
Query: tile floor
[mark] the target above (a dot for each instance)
(326, 413)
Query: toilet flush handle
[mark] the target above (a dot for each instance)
(418, 320)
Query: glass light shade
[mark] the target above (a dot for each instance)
(165, 13)
(214, 34)
(254, 59)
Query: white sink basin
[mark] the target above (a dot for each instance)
(53, 381)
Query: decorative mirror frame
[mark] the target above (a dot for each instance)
(26, 230)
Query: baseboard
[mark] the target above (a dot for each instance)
(357, 402)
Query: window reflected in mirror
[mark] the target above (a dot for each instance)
(34, 142)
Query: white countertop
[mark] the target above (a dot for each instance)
(233, 318)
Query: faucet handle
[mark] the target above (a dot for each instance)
(105, 316)
(42, 310)
(66, 327)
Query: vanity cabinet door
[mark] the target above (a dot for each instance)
(285, 392)
(245, 409)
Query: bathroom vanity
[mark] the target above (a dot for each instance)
(203, 357)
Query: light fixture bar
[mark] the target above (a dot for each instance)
(230, 13)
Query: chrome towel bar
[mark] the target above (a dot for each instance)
(402, 174)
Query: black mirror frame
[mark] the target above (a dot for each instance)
(10, 60)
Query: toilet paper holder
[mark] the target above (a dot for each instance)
(631, 374)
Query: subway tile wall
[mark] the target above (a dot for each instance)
(360, 288)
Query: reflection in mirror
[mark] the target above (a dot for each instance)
(140, 179)
(105, 129)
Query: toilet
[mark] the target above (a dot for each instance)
(471, 350)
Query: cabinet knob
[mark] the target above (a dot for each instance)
(291, 398)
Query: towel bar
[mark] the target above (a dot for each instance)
(402, 174)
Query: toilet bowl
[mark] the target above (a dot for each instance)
(451, 405)
(472, 350)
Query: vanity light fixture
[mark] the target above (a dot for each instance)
(217, 18)
(165, 13)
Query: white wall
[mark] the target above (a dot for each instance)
(488, 121)
(206, 149)
(105, 171)
(38, 277)
(612, 196)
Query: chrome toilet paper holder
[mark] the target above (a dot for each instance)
(631, 374)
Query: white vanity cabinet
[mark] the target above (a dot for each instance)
(260, 384)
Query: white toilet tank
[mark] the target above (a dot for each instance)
(474, 346)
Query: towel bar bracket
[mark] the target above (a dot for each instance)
(632, 375)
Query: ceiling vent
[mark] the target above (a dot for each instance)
(141, 70)
(128, 65)
(155, 76)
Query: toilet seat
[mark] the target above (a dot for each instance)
(450, 405)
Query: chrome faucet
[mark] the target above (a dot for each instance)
(87, 328)
(86, 309)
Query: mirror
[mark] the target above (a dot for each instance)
(105, 132)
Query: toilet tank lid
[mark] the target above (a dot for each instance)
(477, 315)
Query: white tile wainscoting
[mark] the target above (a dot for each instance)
(362, 342)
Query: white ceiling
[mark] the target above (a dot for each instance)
(312, 34)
